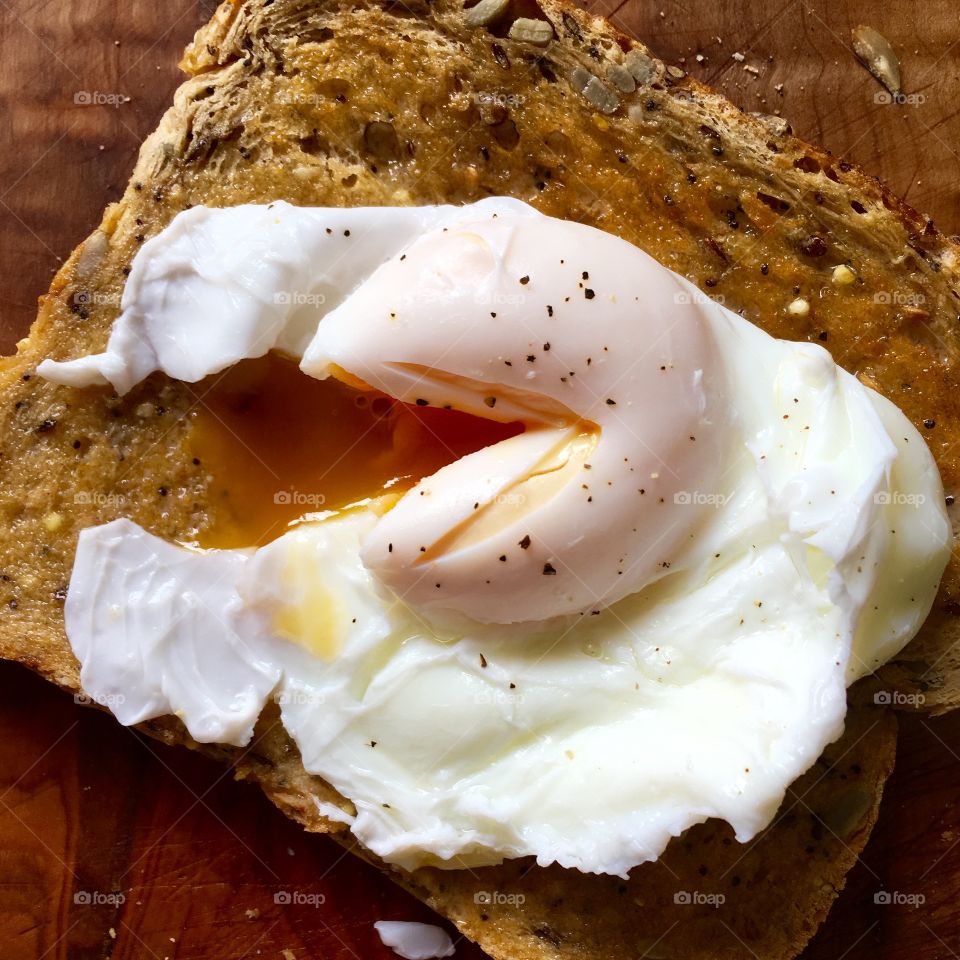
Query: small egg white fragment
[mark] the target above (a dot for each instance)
(415, 941)
(578, 335)
(812, 554)
(221, 285)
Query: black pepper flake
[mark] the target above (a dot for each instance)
(524, 280)
(503, 558)
(928, 423)
(584, 275)
(389, 548)
(549, 310)
(525, 542)
(764, 269)
(139, 238)
(822, 335)
(531, 358)
(46, 426)
(490, 401)
(548, 570)
(346, 233)
(611, 403)
(588, 293)
(483, 661)
(163, 491)
(950, 500)
(422, 403)
(546, 346)
(492, 314)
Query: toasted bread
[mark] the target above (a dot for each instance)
(410, 103)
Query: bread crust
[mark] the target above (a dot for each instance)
(277, 104)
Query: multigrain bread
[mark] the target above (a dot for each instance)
(415, 103)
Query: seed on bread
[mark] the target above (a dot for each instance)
(621, 78)
(594, 90)
(526, 30)
(643, 68)
(842, 275)
(776, 125)
(485, 12)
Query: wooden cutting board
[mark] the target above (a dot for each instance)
(112, 845)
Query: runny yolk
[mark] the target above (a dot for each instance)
(278, 445)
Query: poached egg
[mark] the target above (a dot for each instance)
(571, 642)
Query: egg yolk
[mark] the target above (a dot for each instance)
(278, 445)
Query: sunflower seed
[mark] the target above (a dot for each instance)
(642, 67)
(875, 53)
(537, 32)
(621, 78)
(595, 90)
(486, 11)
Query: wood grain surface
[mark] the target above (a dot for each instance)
(114, 846)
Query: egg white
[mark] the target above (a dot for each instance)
(584, 740)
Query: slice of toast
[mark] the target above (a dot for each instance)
(410, 102)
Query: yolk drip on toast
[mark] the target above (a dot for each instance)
(278, 444)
